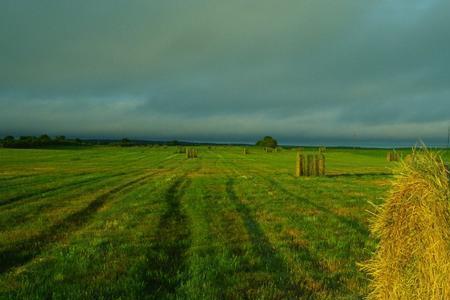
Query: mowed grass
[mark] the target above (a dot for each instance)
(137, 223)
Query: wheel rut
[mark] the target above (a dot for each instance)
(23, 252)
(167, 256)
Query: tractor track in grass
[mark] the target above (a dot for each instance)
(35, 194)
(72, 185)
(47, 204)
(349, 222)
(15, 177)
(172, 240)
(39, 179)
(271, 260)
(23, 252)
(330, 284)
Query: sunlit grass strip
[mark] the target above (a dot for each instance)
(412, 260)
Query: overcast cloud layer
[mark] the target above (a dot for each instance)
(301, 70)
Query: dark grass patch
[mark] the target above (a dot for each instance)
(167, 256)
(270, 260)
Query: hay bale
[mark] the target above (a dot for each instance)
(191, 153)
(310, 165)
(321, 165)
(180, 150)
(393, 156)
(300, 165)
(412, 260)
(316, 165)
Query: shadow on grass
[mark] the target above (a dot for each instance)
(271, 260)
(358, 175)
(348, 222)
(167, 256)
(21, 253)
(333, 283)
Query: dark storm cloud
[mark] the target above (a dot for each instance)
(226, 69)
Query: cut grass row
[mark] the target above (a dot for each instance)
(33, 225)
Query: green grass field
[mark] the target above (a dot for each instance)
(134, 223)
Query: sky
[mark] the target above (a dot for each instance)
(303, 71)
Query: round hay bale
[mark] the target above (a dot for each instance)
(412, 260)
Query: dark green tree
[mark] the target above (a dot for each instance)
(8, 141)
(44, 140)
(267, 141)
(125, 142)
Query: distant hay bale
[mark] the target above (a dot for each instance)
(412, 260)
(180, 150)
(300, 165)
(268, 150)
(191, 153)
(310, 165)
(316, 164)
(321, 165)
(393, 156)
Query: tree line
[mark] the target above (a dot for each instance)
(38, 141)
(45, 141)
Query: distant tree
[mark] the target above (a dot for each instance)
(8, 141)
(173, 143)
(44, 137)
(37, 142)
(125, 142)
(25, 142)
(267, 141)
(43, 140)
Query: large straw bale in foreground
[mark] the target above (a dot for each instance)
(412, 260)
